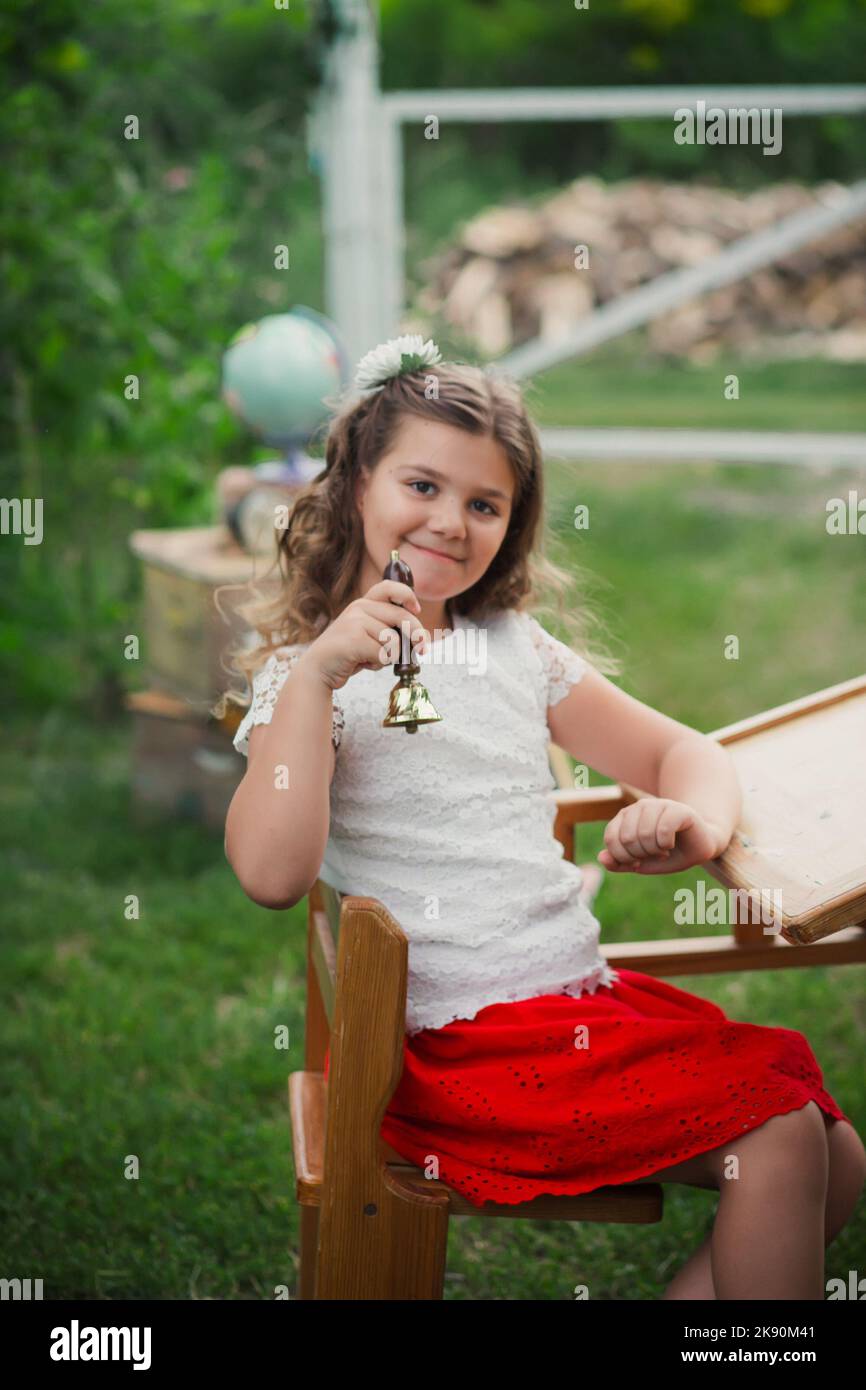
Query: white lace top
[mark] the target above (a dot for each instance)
(451, 827)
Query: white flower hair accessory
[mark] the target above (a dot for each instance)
(405, 354)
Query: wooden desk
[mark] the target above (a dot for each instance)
(800, 847)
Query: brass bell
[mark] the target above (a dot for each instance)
(408, 703)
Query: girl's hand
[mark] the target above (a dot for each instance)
(363, 636)
(657, 836)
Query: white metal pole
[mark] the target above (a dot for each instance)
(392, 224)
(610, 103)
(347, 125)
(654, 445)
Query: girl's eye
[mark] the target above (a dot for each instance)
(425, 482)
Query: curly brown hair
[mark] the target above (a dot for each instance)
(319, 553)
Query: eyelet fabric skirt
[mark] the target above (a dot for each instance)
(563, 1095)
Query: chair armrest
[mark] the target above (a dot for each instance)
(581, 805)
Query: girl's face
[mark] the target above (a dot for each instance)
(461, 513)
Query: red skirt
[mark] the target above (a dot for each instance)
(562, 1095)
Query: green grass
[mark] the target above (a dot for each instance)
(807, 395)
(683, 557)
(154, 1037)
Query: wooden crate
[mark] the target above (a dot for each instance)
(184, 633)
(183, 762)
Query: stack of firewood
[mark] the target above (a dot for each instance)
(512, 274)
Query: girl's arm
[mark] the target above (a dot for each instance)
(628, 741)
(697, 770)
(279, 818)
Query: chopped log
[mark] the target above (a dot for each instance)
(511, 273)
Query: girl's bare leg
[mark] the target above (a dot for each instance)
(846, 1172)
(768, 1237)
(695, 1278)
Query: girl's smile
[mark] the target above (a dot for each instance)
(437, 554)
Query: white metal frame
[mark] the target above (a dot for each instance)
(356, 137)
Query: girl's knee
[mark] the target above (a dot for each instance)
(792, 1148)
(804, 1127)
(847, 1176)
(783, 1148)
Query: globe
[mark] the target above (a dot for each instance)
(277, 373)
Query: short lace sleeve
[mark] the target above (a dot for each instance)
(267, 684)
(562, 668)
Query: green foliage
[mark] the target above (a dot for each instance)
(133, 258)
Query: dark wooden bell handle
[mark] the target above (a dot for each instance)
(399, 570)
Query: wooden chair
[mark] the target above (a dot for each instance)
(373, 1226)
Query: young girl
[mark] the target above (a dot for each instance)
(530, 1065)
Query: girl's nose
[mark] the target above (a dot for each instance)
(448, 523)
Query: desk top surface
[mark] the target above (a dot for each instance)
(802, 834)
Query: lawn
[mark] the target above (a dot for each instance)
(808, 394)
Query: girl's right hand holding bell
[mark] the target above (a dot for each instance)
(363, 637)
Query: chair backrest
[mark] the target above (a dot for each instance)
(357, 967)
